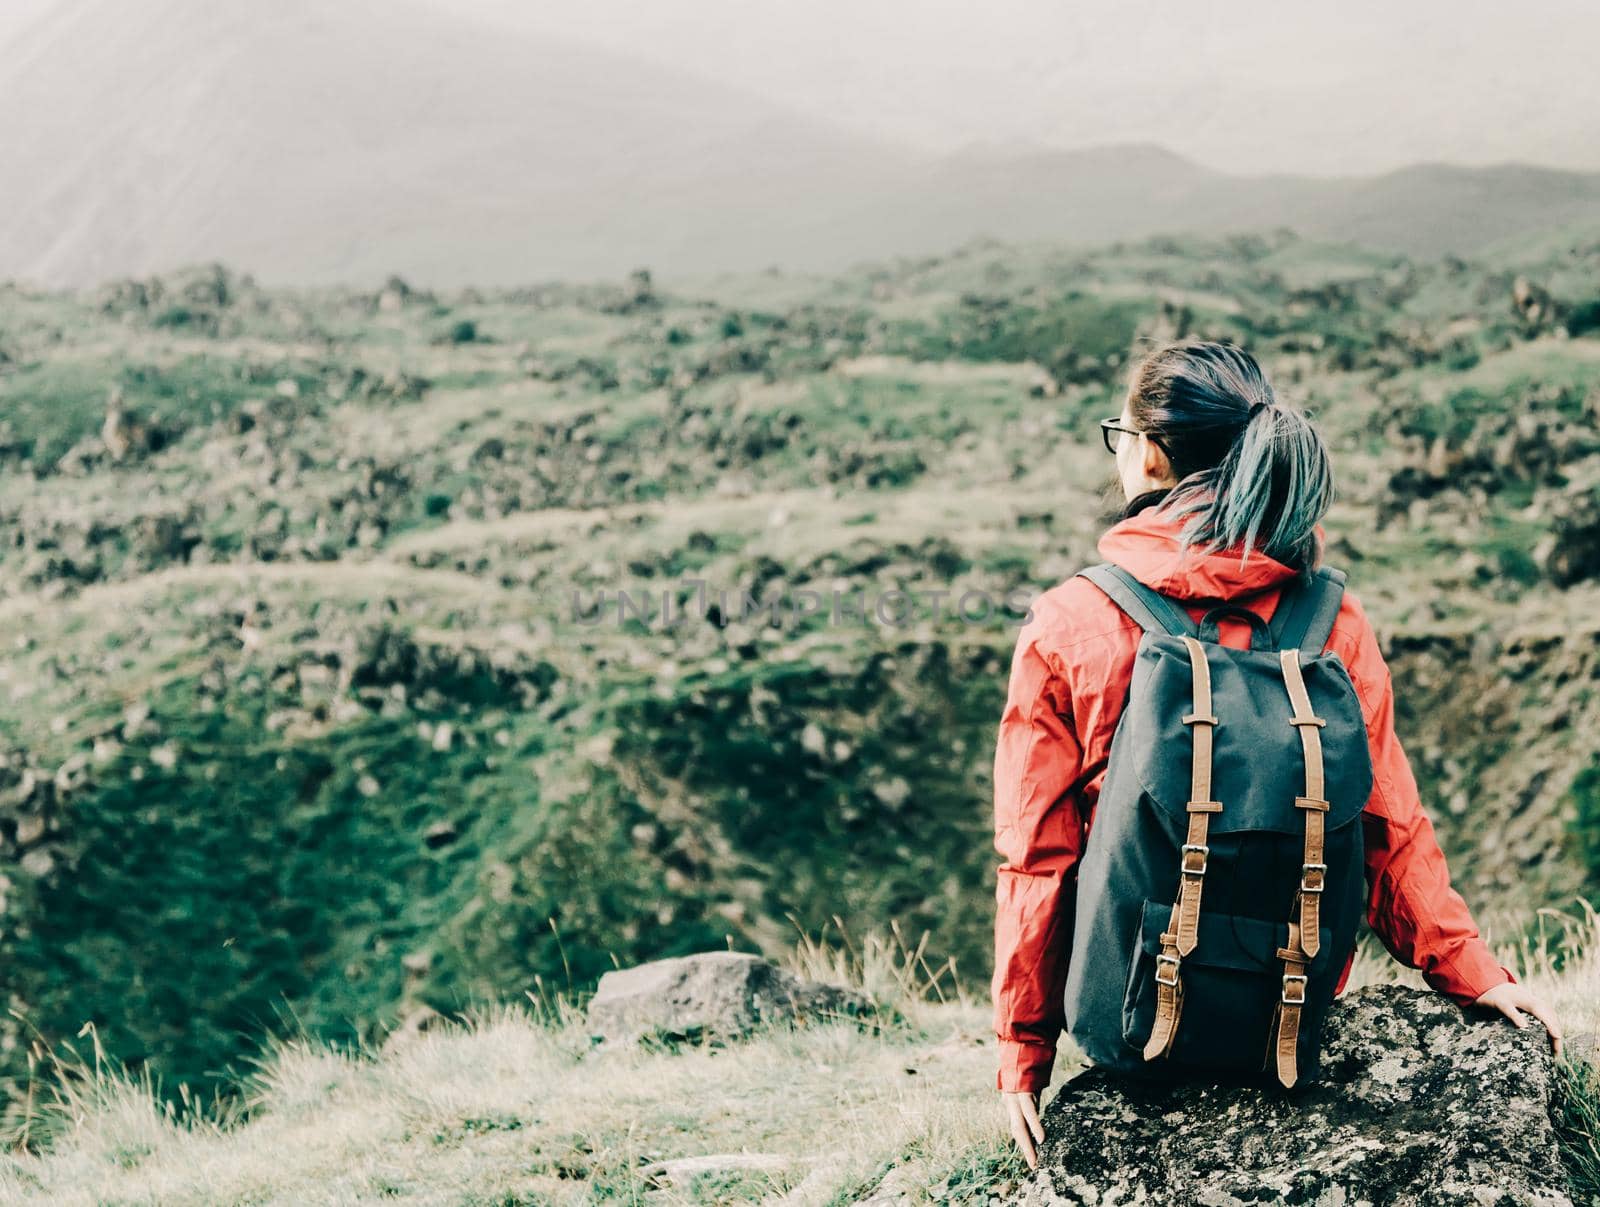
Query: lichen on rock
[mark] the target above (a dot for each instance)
(1419, 1103)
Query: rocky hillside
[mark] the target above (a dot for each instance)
(365, 653)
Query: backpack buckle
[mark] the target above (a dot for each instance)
(1299, 979)
(1166, 959)
(1308, 870)
(1195, 848)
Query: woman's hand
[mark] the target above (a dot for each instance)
(1512, 999)
(1022, 1112)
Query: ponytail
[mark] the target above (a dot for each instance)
(1251, 472)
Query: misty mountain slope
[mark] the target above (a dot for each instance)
(1470, 208)
(1134, 191)
(313, 143)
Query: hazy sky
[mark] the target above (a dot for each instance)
(1249, 85)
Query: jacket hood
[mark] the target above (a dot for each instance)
(1147, 546)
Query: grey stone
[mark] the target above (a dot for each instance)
(719, 995)
(681, 1171)
(1420, 1103)
(421, 1021)
(901, 1186)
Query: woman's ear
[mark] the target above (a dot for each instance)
(1157, 468)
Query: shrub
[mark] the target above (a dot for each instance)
(1584, 318)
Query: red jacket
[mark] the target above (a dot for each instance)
(1069, 682)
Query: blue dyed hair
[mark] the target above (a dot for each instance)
(1251, 473)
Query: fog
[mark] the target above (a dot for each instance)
(1252, 86)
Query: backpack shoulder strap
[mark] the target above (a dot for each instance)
(1154, 612)
(1304, 616)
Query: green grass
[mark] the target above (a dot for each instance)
(291, 878)
(53, 404)
(1585, 825)
(1578, 1127)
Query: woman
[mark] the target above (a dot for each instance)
(1225, 490)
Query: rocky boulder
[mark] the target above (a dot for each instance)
(1532, 303)
(1420, 1103)
(1572, 553)
(719, 995)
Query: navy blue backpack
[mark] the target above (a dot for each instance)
(1221, 886)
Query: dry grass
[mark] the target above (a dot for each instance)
(519, 1107)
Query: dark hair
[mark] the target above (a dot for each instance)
(1251, 472)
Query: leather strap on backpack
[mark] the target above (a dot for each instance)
(1182, 932)
(1304, 932)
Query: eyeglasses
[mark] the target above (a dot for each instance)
(1114, 425)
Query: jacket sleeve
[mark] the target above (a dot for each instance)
(1038, 831)
(1416, 914)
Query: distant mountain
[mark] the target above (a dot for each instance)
(1438, 208)
(1131, 191)
(310, 142)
